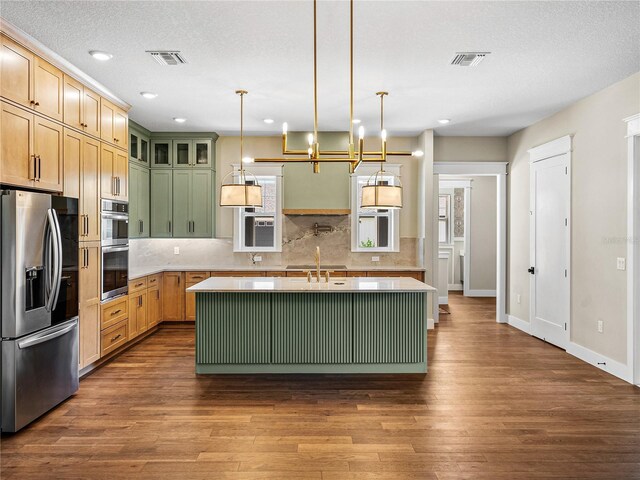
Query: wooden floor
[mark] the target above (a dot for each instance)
(496, 404)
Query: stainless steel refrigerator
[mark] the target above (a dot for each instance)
(39, 304)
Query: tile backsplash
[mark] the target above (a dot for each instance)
(299, 242)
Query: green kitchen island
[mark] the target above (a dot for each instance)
(288, 325)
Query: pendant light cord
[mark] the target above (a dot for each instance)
(242, 93)
(315, 74)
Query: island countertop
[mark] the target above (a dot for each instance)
(291, 284)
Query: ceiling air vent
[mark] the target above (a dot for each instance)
(468, 59)
(167, 57)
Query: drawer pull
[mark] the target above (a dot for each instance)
(116, 337)
(115, 312)
(139, 285)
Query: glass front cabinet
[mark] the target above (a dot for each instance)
(192, 153)
(138, 147)
(161, 153)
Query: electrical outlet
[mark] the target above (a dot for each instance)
(622, 263)
(176, 250)
(257, 258)
(600, 326)
(518, 298)
(375, 259)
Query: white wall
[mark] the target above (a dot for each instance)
(599, 190)
(483, 236)
(470, 149)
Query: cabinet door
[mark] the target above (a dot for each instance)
(189, 304)
(16, 72)
(143, 202)
(202, 153)
(135, 229)
(134, 311)
(90, 188)
(200, 204)
(73, 103)
(47, 145)
(107, 172)
(17, 162)
(173, 296)
(161, 153)
(121, 171)
(144, 150)
(182, 153)
(120, 128)
(134, 145)
(107, 120)
(161, 210)
(91, 113)
(182, 195)
(154, 310)
(48, 87)
(71, 171)
(89, 293)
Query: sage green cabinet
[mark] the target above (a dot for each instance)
(138, 147)
(161, 203)
(138, 201)
(192, 203)
(161, 153)
(191, 153)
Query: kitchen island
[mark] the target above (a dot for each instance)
(288, 325)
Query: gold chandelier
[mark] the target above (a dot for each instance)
(314, 154)
(241, 194)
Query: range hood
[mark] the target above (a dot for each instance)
(324, 193)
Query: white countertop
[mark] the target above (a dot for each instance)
(289, 284)
(135, 273)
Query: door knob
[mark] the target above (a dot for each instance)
(532, 270)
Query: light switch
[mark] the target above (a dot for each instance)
(622, 264)
(176, 250)
(600, 326)
(257, 258)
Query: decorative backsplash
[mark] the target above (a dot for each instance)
(298, 247)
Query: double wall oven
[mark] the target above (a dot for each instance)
(115, 248)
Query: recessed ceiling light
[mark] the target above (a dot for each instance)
(179, 119)
(149, 95)
(268, 120)
(102, 56)
(356, 121)
(444, 121)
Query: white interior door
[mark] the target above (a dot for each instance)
(550, 249)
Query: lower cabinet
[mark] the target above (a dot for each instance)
(89, 303)
(137, 314)
(113, 337)
(192, 278)
(114, 324)
(154, 306)
(173, 293)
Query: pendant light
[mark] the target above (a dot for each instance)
(241, 194)
(378, 193)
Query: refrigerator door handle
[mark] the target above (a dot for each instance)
(56, 264)
(30, 342)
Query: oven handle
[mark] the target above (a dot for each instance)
(114, 216)
(121, 248)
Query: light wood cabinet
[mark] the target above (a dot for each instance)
(82, 180)
(192, 278)
(16, 72)
(113, 173)
(114, 124)
(137, 285)
(89, 296)
(113, 337)
(137, 313)
(31, 150)
(114, 311)
(48, 89)
(154, 302)
(173, 292)
(81, 107)
(71, 167)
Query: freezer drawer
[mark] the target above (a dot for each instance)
(38, 372)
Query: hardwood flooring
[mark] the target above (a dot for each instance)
(496, 404)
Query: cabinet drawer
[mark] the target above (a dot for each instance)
(113, 337)
(114, 312)
(196, 277)
(154, 280)
(137, 284)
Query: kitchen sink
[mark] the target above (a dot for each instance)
(313, 267)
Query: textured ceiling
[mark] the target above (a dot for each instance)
(545, 55)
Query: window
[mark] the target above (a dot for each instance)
(260, 229)
(373, 230)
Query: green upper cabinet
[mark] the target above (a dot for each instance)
(324, 192)
(192, 203)
(161, 203)
(138, 201)
(138, 145)
(192, 153)
(161, 151)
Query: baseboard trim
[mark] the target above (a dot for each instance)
(430, 324)
(443, 300)
(455, 287)
(519, 324)
(601, 362)
(480, 293)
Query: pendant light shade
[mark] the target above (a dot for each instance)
(242, 194)
(378, 194)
